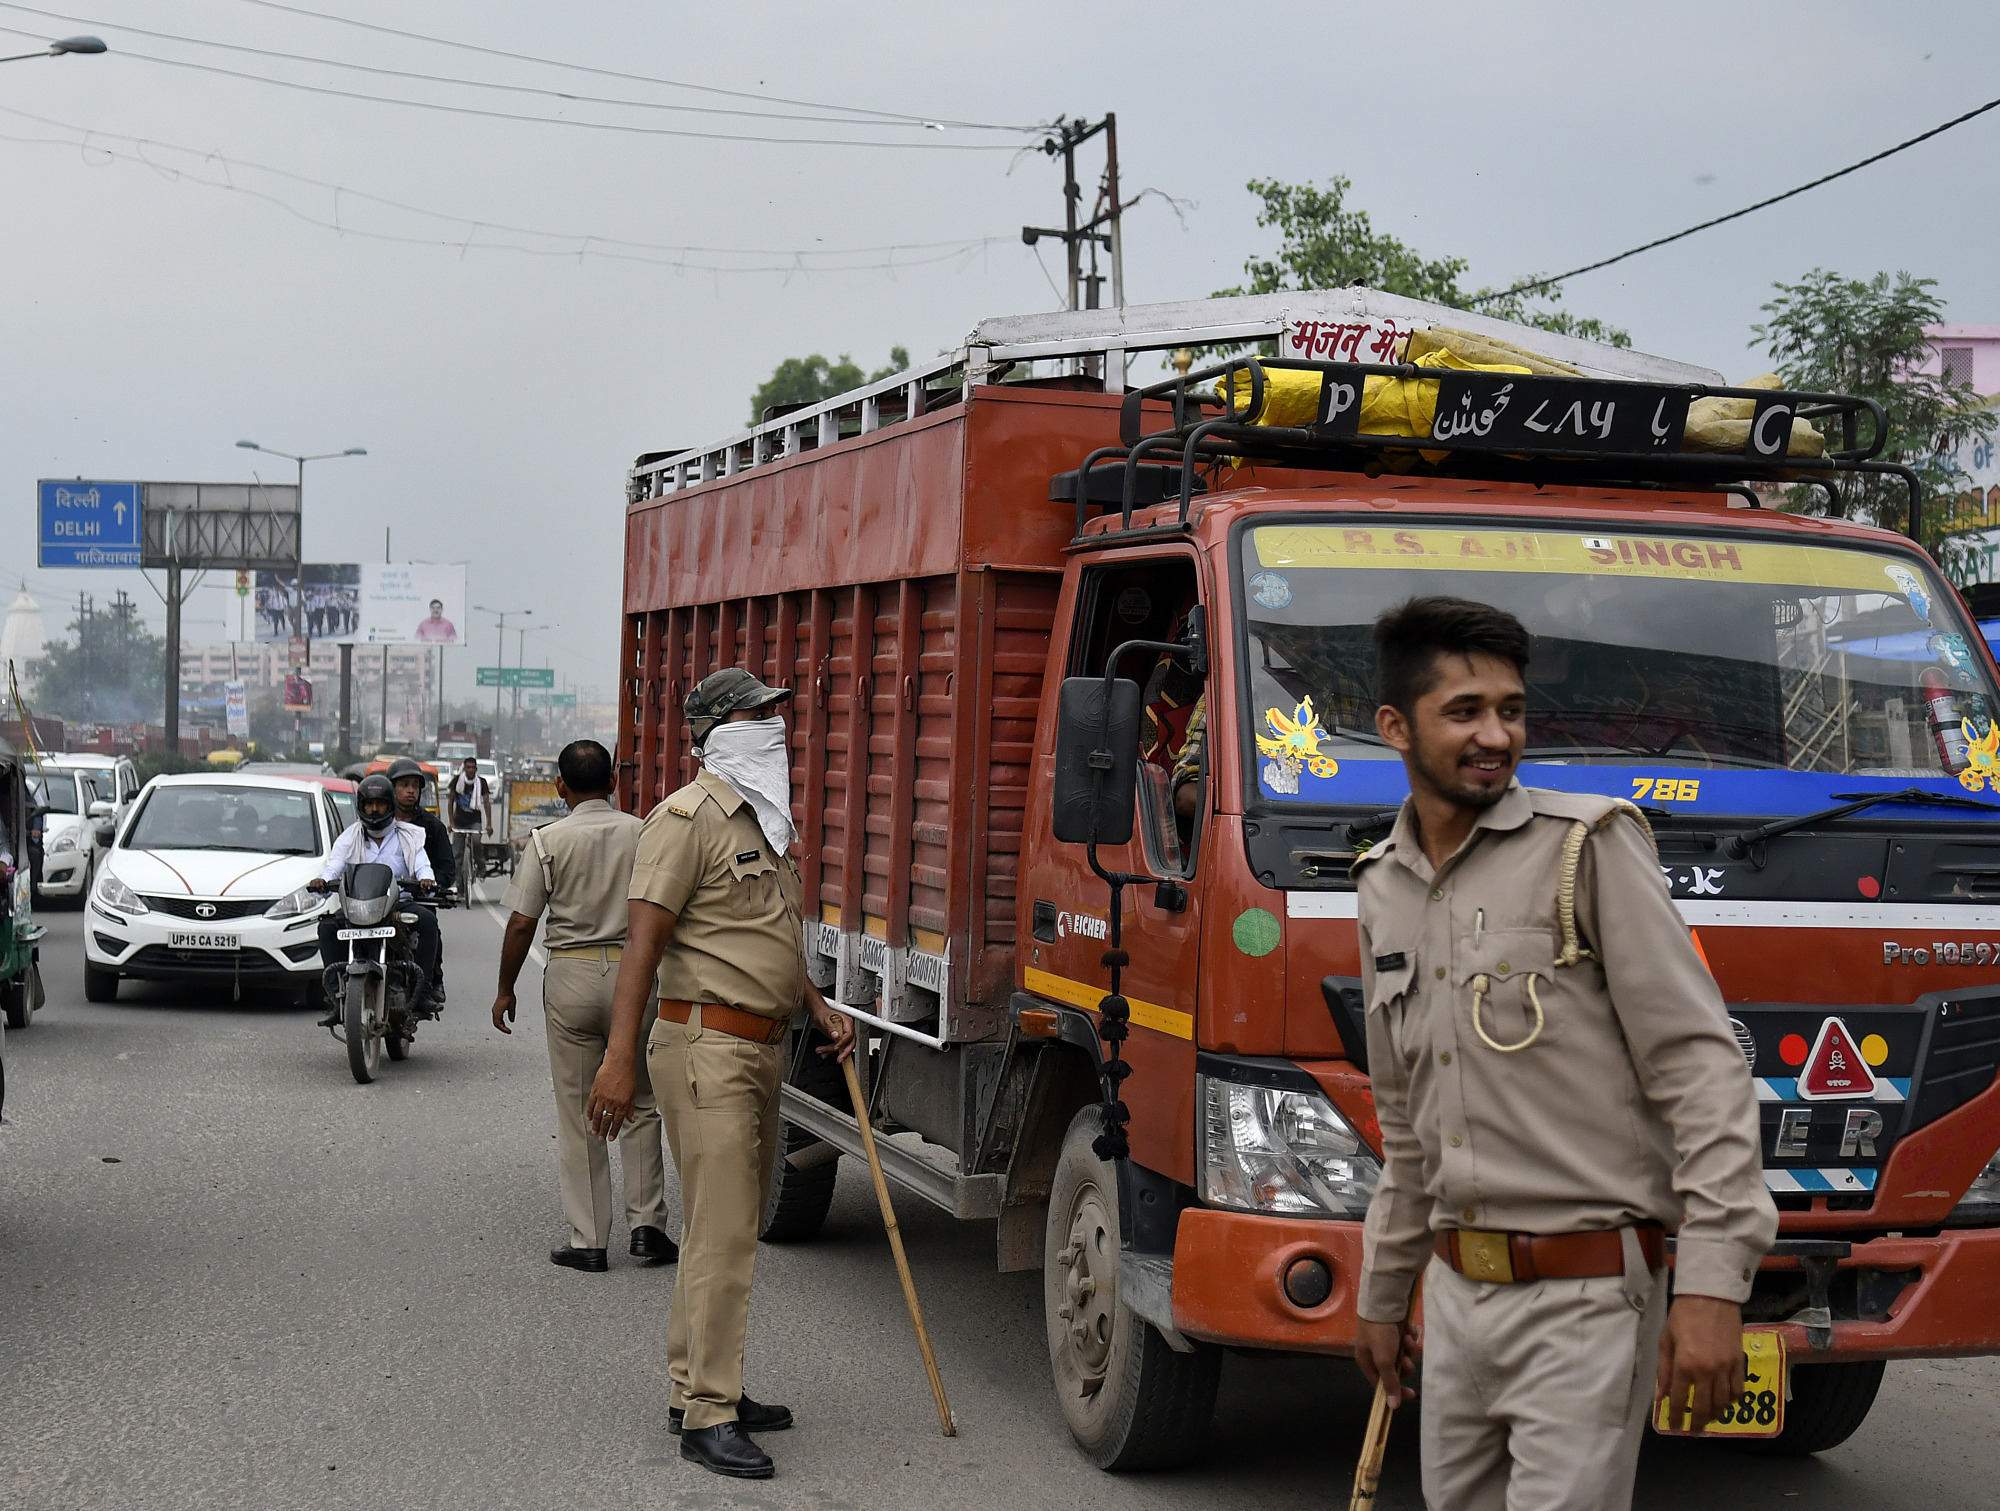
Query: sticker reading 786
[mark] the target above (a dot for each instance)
(1667, 789)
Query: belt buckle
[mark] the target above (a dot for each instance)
(1485, 1256)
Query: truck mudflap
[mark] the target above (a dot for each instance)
(1932, 1297)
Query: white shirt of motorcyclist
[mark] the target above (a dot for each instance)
(401, 850)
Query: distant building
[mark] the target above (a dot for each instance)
(205, 669)
(22, 639)
(1971, 354)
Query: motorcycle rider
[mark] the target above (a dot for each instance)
(377, 836)
(408, 779)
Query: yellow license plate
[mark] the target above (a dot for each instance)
(1760, 1411)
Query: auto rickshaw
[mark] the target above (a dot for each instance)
(20, 975)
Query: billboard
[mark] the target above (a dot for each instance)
(412, 603)
(298, 694)
(236, 709)
(331, 608)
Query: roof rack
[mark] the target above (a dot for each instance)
(1100, 343)
(1496, 426)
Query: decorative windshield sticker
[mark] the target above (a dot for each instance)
(1271, 590)
(1983, 751)
(1296, 744)
(1911, 587)
(1679, 557)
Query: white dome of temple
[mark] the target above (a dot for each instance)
(22, 639)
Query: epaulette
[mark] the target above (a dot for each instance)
(685, 803)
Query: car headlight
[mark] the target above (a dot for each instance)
(295, 904)
(67, 840)
(119, 898)
(1981, 1204)
(1276, 1149)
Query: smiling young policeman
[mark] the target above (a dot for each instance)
(1558, 1089)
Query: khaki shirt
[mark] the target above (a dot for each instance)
(739, 940)
(586, 879)
(1634, 1104)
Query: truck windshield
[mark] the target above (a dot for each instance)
(1688, 671)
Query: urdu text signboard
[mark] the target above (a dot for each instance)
(88, 524)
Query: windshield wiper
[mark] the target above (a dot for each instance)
(1739, 845)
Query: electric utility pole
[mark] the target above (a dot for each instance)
(1101, 229)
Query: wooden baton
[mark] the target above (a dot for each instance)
(1368, 1473)
(945, 1423)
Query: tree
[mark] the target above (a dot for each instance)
(1325, 245)
(113, 671)
(807, 380)
(1830, 334)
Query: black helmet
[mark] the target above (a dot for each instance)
(403, 766)
(374, 791)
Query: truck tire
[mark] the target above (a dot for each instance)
(99, 986)
(800, 1199)
(1131, 1401)
(1829, 1402)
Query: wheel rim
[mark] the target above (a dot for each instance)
(1089, 1264)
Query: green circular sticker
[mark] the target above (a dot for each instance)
(1256, 932)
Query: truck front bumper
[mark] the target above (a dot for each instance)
(1937, 1296)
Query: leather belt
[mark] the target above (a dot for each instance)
(587, 952)
(1514, 1258)
(755, 1027)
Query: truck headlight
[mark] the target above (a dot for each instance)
(119, 898)
(1277, 1149)
(1981, 1204)
(67, 840)
(295, 904)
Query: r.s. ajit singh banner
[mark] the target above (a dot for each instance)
(412, 603)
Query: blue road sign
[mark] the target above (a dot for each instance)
(88, 524)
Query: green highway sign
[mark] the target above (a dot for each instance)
(552, 700)
(517, 676)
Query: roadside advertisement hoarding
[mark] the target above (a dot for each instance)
(412, 603)
(331, 607)
(236, 709)
(298, 695)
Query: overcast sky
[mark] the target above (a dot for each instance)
(147, 321)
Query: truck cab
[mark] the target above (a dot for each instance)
(1084, 723)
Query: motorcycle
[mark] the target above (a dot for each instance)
(376, 989)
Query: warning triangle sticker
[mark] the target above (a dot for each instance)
(1835, 1069)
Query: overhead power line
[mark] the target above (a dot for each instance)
(214, 170)
(620, 127)
(908, 123)
(1763, 204)
(613, 73)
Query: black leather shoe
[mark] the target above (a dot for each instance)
(590, 1260)
(723, 1449)
(654, 1247)
(750, 1416)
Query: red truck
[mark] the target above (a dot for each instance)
(1002, 588)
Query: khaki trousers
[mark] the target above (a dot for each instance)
(576, 1002)
(1535, 1396)
(719, 1102)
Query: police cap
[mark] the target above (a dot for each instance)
(720, 694)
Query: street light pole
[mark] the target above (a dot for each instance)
(298, 557)
(500, 654)
(79, 45)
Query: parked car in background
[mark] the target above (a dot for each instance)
(116, 778)
(207, 881)
(72, 844)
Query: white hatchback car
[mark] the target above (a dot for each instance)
(72, 846)
(207, 880)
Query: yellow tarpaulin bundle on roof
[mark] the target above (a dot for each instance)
(1389, 406)
(1724, 424)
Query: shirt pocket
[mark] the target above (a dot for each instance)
(1395, 970)
(752, 874)
(1505, 979)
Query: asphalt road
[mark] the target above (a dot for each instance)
(229, 1276)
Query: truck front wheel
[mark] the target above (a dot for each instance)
(1132, 1402)
(1829, 1402)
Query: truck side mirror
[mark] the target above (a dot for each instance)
(1097, 761)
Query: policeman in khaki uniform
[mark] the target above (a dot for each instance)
(715, 908)
(579, 868)
(1558, 1089)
